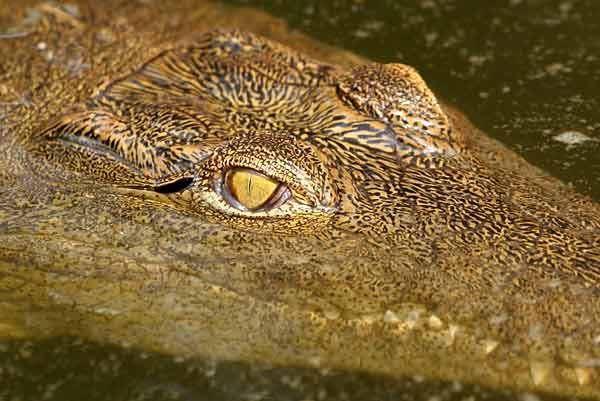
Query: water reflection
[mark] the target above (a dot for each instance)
(71, 369)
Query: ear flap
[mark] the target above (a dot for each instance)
(396, 94)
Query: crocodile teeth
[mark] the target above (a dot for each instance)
(435, 322)
(489, 346)
(540, 370)
(390, 317)
(584, 375)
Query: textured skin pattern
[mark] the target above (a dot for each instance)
(396, 94)
(411, 243)
(364, 151)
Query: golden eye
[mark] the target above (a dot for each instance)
(253, 191)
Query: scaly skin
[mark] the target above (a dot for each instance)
(406, 242)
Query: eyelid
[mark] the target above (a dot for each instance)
(284, 158)
(277, 155)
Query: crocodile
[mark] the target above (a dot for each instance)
(233, 190)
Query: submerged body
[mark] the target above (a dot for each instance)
(219, 194)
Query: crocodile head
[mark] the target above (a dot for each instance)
(251, 134)
(308, 213)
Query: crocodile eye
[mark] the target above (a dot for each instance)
(249, 190)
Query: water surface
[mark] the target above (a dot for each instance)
(525, 71)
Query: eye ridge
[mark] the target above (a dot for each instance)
(241, 187)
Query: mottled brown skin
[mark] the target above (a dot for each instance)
(409, 243)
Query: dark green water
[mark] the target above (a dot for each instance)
(70, 369)
(524, 71)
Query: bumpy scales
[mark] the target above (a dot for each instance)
(370, 143)
(323, 188)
